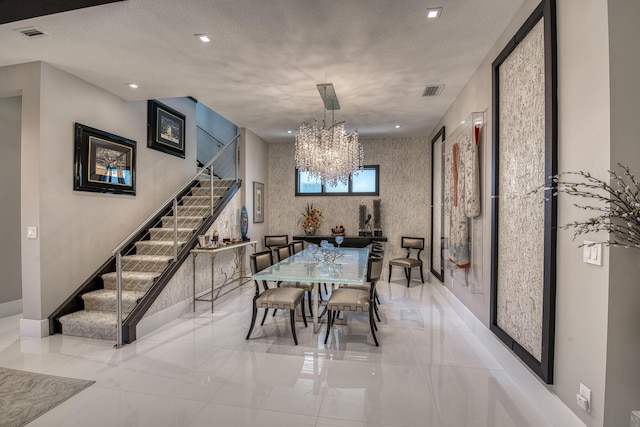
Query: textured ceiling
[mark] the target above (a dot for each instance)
(266, 56)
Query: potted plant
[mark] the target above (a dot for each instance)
(617, 207)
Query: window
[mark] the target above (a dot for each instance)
(364, 182)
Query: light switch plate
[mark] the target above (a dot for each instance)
(32, 232)
(592, 252)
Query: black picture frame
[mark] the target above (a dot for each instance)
(543, 367)
(436, 248)
(258, 202)
(103, 162)
(165, 129)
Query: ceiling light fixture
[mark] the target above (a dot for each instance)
(397, 126)
(132, 85)
(203, 37)
(434, 13)
(328, 153)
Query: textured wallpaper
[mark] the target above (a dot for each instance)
(404, 190)
(521, 167)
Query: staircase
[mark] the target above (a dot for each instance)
(146, 260)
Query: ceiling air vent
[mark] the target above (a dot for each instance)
(31, 32)
(432, 90)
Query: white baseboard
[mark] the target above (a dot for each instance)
(154, 321)
(34, 328)
(10, 308)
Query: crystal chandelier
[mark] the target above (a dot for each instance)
(328, 153)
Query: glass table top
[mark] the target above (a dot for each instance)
(349, 267)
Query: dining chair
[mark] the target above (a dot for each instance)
(272, 241)
(283, 252)
(413, 246)
(296, 246)
(275, 298)
(357, 298)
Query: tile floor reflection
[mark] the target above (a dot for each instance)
(431, 369)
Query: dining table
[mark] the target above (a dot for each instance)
(318, 265)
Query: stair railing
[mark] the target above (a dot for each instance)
(224, 165)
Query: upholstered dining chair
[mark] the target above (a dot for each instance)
(275, 298)
(357, 298)
(273, 241)
(413, 246)
(283, 252)
(296, 246)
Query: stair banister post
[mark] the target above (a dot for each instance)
(211, 189)
(237, 159)
(119, 300)
(175, 228)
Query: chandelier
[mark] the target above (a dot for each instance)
(328, 153)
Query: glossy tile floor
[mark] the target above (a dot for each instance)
(431, 369)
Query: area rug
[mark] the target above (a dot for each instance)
(25, 396)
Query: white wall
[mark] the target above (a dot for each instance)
(404, 190)
(254, 168)
(11, 277)
(583, 143)
(78, 230)
(623, 331)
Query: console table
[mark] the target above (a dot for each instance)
(349, 241)
(239, 249)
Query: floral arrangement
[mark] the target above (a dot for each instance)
(618, 205)
(311, 217)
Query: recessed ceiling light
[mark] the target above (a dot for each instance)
(289, 131)
(434, 13)
(203, 37)
(462, 122)
(397, 126)
(132, 85)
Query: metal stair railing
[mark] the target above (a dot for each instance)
(223, 166)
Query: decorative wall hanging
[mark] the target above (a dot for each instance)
(103, 162)
(165, 129)
(258, 202)
(523, 244)
(462, 188)
(437, 206)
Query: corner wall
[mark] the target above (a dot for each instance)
(623, 322)
(11, 288)
(583, 143)
(255, 168)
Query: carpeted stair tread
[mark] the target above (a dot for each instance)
(192, 222)
(131, 280)
(166, 234)
(106, 300)
(90, 324)
(156, 247)
(196, 201)
(149, 263)
(218, 193)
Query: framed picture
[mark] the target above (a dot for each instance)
(437, 206)
(523, 242)
(103, 162)
(165, 129)
(258, 202)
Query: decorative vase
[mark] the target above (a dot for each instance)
(310, 231)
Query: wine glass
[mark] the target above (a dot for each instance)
(339, 240)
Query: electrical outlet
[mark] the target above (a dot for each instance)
(584, 398)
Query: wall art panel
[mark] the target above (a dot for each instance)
(523, 228)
